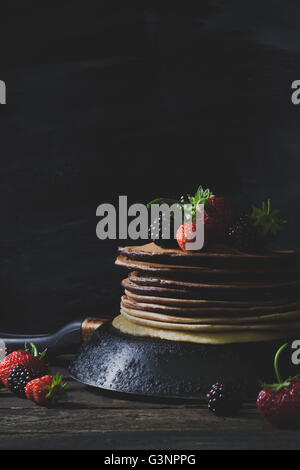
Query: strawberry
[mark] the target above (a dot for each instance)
(219, 214)
(46, 390)
(279, 403)
(34, 362)
(187, 234)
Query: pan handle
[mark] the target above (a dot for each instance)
(66, 340)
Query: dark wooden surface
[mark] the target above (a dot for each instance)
(124, 98)
(91, 420)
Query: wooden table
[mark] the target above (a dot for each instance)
(91, 420)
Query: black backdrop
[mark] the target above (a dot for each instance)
(142, 99)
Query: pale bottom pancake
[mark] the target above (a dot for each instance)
(229, 337)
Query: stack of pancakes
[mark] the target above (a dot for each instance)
(215, 296)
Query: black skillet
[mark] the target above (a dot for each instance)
(149, 367)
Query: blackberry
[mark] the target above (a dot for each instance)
(19, 378)
(157, 230)
(243, 235)
(224, 399)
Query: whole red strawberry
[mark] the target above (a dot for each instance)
(46, 390)
(219, 214)
(187, 234)
(279, 403)
(33, 362)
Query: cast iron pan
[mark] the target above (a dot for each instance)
(112, 361)
(118, 362)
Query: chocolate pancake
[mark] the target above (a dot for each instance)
(194, 273)
(164, 281)
(221, 312)
(218, 257)
(185, 290)
(201, 302)
(158, 268)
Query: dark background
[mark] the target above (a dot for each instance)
(141, 99)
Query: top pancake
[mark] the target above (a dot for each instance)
(220, 256)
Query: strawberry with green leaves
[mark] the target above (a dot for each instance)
(46, 390)
(218, 214)
(218, 211)
(279, 403)
(30, 358)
